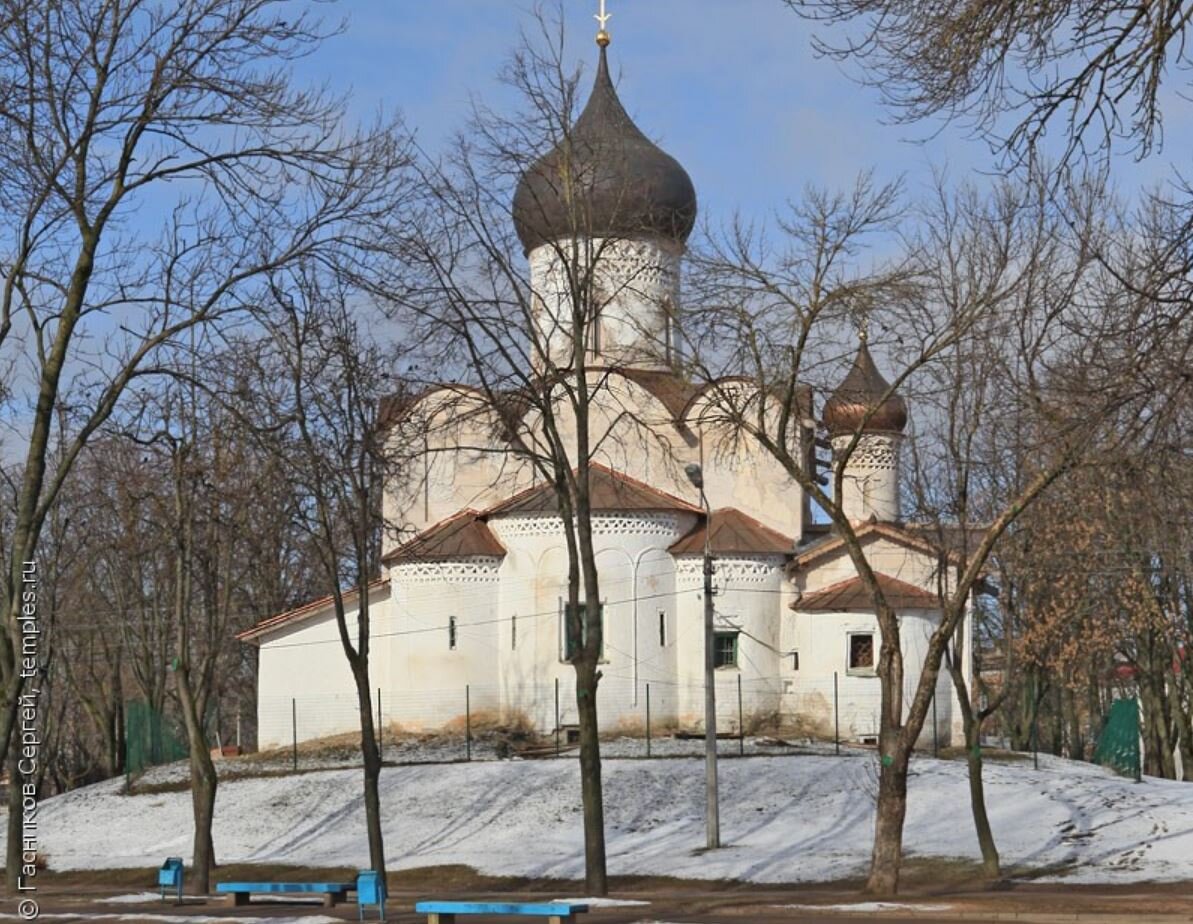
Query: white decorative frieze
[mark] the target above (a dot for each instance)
(603, 524)
(730, 569)
(875, 452)
(475, 569)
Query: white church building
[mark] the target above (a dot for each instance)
(468, 615)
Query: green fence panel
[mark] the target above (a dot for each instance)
(151, 737)
(1118, 745)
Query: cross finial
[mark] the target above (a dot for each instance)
(602, 19)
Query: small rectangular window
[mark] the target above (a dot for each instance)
(795, 660)
(724, 649)
(451, 633)
(513, 632)
(861, 651)
(572, 645)
(662, 628)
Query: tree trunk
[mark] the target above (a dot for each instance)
(13, 858)
(371, 757)
(595, 877)
(887, 854)
(894, 756)
(972, 725)
(203, 786)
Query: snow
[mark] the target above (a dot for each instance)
(133, 898)
(597, 902)
(795, 818)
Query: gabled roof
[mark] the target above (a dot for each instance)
(733, 531)
(608, 490)
(912, 539)
(273, 623)
(853, 594)
(459, 536)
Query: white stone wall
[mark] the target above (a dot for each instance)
(637, 584)
(822, 639)
(468, 466)
(870, 486)
(749, 594)
(636, 295)
(303, 676)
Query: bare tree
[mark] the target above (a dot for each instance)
(1095, 73)
(314, 390)
(111, 107)
(1016, 271)
(535, 353)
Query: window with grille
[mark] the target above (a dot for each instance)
(724, 649)
(861, 652)
(451, 633)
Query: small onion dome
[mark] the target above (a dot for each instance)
(858, 395)
(621, 183)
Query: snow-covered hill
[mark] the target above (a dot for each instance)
(784, 819)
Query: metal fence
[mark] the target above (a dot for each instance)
(644, 718)
(151, 738)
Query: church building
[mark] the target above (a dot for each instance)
(468, 614)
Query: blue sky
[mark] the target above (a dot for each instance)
(731, 88)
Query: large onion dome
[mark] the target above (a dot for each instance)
(860, 393)
(606, 179)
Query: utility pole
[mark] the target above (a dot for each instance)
(712, 818)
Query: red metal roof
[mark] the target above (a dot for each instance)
(459, 536)
(733, 531)
(852, 594)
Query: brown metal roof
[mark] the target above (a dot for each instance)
(731, 532)
(459, 536)
(604, 179)
(913, 539)
(265, 626)
(853, 594)
(608, 490)
(862, 393)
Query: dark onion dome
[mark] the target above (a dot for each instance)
(624, 184)
(858, 394)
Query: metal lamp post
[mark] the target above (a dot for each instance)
(712, 812)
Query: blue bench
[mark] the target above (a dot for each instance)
(555, 912)
(239, 892)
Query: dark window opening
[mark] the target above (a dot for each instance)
(513, 632)
(724, 649)
(451, 633)
(662, 628)
(861, 651)
(795, 660)
(572, 645)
